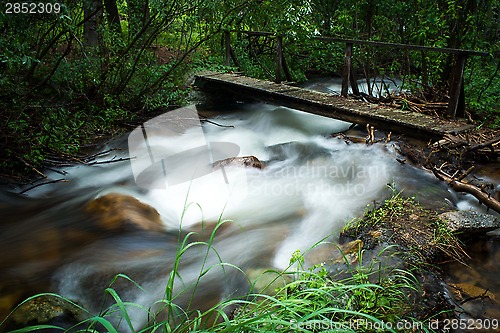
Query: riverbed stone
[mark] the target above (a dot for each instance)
(267, 281)
(331, 253)
(245, 161)
(467, 221)
(46, 309)
(121, 212)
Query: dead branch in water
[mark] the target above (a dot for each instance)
(216, 124)
(32, 167)
(460, 186)
(121, 159)
(40, 184)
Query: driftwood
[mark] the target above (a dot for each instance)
(489, 143)
(369, 139)
(478, 144)
(449, 141)
(460, 186)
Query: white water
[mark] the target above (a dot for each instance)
(380, 86)
(310, 187)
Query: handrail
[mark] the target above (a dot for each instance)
(254, 33)
(408, 46)
(496, 54)
(456, 105)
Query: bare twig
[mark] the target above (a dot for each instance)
(466, 173)
(110, 161)
(32, 167)
(214, 123)
(49, 182)
(488, 143)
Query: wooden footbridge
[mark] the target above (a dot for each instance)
(329, 105)
(341, 107)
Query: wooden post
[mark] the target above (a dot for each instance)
(235, 60)
(354, 83)
(456, 107)
(425, 74)
(227, 42)
(288, 75)
(279, 57)
(346, 75)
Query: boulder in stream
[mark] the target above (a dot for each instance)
(246, 161)
(467, 221)
(331, 253)
(120, 212)
(45, 309)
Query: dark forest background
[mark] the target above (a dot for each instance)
(85, 72)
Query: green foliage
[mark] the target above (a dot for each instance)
(481, 90)
(397, 217)
(392, 207)
(371, 296)
(53, 61)
(92, 84)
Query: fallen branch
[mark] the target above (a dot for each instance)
(488, 143)
(466, 173)
(459, 186)
(449, 142)
(31, 167)
(94, 156)
(109, 161)
(49, 182)
(214, 123)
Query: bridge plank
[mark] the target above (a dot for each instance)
(332, 106)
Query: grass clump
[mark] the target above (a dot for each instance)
(403, 221)
(365, 301)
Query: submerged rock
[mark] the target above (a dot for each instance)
(246, 161)
(120, 212)
(331, 253)
(267, 281)
(464, 290)
(465, 221)
(46, 309)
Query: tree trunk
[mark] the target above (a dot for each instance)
(369, 18)
(138, 14)
(113, 16)
(93, 18)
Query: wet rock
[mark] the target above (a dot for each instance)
(464, 290)
(246, 161)
(283, 150)
(470, 221)
(267, 281)
(46, 309)
(331, 253)
(120, 212)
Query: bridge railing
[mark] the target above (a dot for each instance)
(281, 64)
(456, 106)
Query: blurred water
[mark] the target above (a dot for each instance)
(311, 185)
(380, 86)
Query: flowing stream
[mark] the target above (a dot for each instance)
(310, 186)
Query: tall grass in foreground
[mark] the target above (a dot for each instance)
(312, 302)
(371, 298)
